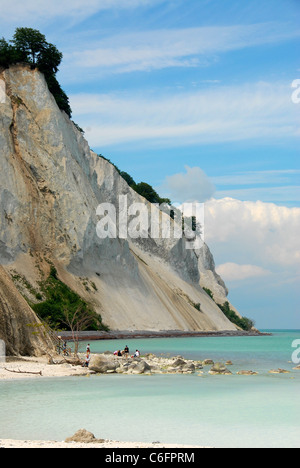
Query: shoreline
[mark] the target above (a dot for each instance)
(17, 368)
(127, 335)
(108, 444)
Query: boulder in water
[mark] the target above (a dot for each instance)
(278, 371)
(219, 369)
(208, 362)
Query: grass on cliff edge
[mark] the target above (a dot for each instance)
(62, 303)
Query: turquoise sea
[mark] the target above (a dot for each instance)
(215, 411)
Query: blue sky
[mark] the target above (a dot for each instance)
(196, 91)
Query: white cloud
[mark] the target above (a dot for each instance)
(190, 186)
(26, 10)
(250, 239)
(188, 47)
(235, 272)
(223, 114)
(257, 233)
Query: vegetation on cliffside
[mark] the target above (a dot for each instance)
(242, 322)
(142, 188)
(30, 46)
(61, 306)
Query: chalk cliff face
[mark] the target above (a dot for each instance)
(51, 184)
(20, 329)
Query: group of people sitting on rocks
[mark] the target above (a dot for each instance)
(126, 353)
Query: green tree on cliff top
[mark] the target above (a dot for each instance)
(30, 46)
(31, 42)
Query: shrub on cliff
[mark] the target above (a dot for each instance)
(61, 304)
(209, 293)
(244, 323)
(148, 192)
(142, 188)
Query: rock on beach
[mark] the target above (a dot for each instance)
(83, 436)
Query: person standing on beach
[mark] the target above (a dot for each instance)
(88, 349)
(65, 351)
(87, 360)
(60, 344)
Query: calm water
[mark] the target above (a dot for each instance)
(219, 411)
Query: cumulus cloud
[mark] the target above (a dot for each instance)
(193, 185)
(250, 239)
(235, 272)
(258, 233)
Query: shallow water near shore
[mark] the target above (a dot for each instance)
(215, 411)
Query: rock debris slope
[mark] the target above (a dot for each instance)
(51, 184)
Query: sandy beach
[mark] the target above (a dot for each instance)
(39, 367)
(33, 367)
(7, 443)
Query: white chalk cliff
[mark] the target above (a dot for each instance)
(51, 184)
